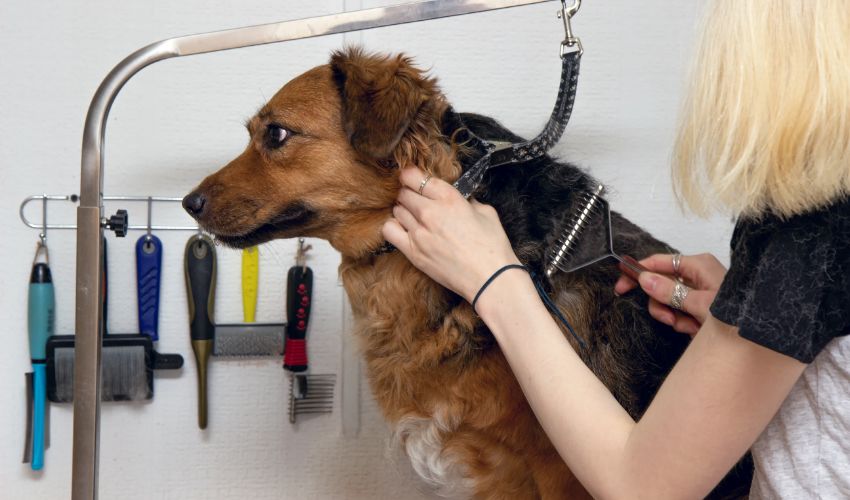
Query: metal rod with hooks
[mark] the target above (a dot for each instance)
(73, 198)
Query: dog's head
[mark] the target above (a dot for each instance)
(324, 155)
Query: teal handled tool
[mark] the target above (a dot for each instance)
(40, 324)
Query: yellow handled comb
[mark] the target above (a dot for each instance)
(250, 279)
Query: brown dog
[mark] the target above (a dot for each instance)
(323, 161)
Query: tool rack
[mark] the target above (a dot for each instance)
(118, 222)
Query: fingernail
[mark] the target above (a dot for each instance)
(648, 281)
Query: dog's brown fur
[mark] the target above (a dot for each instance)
(434, 369)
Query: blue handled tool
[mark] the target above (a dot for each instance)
(40, 323)
(148, 276)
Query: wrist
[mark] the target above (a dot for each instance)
(503, 291)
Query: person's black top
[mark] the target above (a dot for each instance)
(788, 285)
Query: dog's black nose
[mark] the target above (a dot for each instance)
(194, 203)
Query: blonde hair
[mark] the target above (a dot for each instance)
(766, 124)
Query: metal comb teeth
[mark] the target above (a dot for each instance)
(312, 393)
(576, 225)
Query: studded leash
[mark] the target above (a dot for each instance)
(498, 154)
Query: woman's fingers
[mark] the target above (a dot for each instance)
(405, 218)
(424, 184)
(680, 322)
(414, 203)
(660, 288)
(703, 270)
(396, 235)
(624, 285)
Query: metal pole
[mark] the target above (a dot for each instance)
(89, 233)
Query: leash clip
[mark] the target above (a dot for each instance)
(566, 14)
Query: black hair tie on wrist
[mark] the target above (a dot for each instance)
(540, 291)
(493, 277)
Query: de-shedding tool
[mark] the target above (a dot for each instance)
(129, 361)
(249, 338)
(148, 277)
(579, 246)
(307, 393)
(40, 324)
(318, 399)
(199, 263)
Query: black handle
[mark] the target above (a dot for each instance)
(166, 361)
(199, 264)
(200, 286)
(299, 298)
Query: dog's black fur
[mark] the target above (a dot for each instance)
(534, 200)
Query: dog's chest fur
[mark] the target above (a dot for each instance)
(440, 379)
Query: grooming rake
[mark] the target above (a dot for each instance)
(308, 393)
(578, 246)
(313, 393)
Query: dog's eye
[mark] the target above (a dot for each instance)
(276, 136)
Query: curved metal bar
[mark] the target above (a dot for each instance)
(89, 233)
(44, 198)
(93, 135)
(74, 199)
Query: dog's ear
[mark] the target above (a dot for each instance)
(381, 96)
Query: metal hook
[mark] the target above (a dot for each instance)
(566, 14)
(150, 210)
(43, 234)
(301, 255)
(39, 248)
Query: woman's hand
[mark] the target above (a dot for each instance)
(703, 274)
(457, 243)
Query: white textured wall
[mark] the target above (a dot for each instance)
(180, 120)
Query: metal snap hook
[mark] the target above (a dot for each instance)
(566, 14)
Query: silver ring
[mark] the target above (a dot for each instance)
(680, 293)
(677, 261)
(423, 183)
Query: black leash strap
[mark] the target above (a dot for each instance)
(496, 155)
